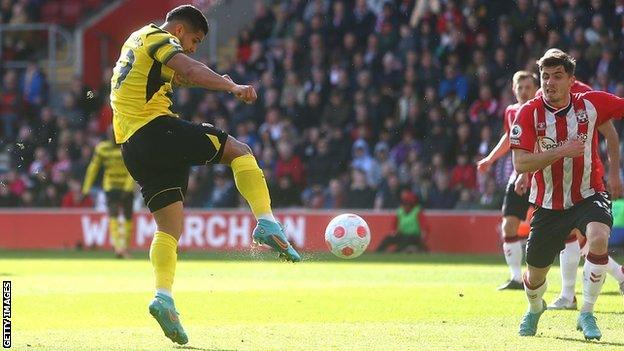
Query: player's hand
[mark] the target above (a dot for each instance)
(245, 93)
(572, 148)
(484, 165)
(522, 184)
(614, 184)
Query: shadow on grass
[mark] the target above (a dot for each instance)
(583, 341)
(256, 255)
(617, 313)
(263, 255)
(199, 348)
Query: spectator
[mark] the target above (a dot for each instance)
(363, 161)
(10, 105)
(360, 195)
(410, 225)
(464, 174)
(223, 194)
(289, 164)
(74, 198)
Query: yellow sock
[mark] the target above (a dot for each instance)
(128, 233)
(251, 184)
(163, 256)
(113, 227)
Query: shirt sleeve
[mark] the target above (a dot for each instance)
(522, 134)
(607, 105)
(163, 46)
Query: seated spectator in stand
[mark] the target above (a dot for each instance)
(410, 223)
(289, 164)
(464, 174)
(74, 198)
(360, 195)
(492, 197)
(466, 201)
(7, 198)
(10, 105)
(364, 161)
(335, 196)
(223, 194)
(33, 86)
(285, 193)
(388, 195)
(442, 196)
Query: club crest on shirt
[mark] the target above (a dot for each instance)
(581, 117)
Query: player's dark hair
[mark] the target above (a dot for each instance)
(556, 57)
(190, 15)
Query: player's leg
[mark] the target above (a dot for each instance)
(112, 206)
(548, 231)
(514, 211)
(594, 272)
(163, 256)
(569, 259)
(595, 222)
(388, 241)
(616, 270)
(512, 248)
(163, 181)
(252, 185)
(535, 286)
(126, 206)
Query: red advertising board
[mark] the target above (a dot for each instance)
(230, 230)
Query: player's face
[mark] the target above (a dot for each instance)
(190, 40)
(524, 90)
(556, 83)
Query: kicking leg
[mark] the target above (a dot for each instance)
(251, 184)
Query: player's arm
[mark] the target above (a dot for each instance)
(497, 152)
(195, 73)
(613, 152)
(92, 171)
(526, 161)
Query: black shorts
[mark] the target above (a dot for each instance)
(514, 204)
(118, 198)
(550, 228)
(160, 154)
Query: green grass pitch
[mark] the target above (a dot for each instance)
(88, 301)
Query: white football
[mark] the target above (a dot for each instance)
(347, 235)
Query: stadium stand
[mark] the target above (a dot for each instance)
(357, 99)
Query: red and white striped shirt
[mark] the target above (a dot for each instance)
(539, 127)
(510, 116)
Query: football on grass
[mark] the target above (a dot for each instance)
(347, 235)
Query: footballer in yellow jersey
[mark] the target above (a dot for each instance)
(119, 188)
(159, 148)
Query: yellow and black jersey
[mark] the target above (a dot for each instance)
(141, 83)
(116, 176)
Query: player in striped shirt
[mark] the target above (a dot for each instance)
(515, 206)
(570, 256)
(553, 136)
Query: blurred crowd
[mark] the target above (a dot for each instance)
(358, 100)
